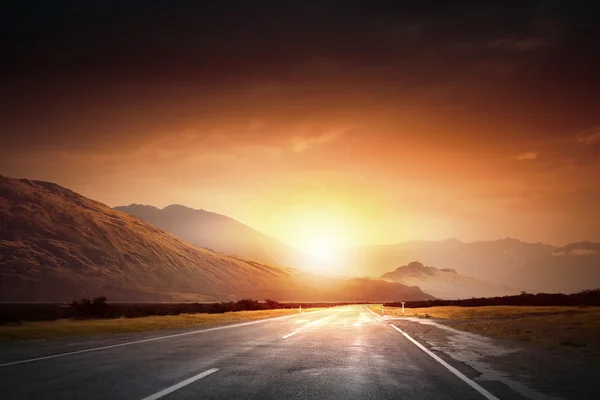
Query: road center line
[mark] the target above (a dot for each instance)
(181, 384)
(318, 321)
(152, 339)
(312, 323)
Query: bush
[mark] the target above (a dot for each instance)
(584, 298)
(9, 317)
(100, 308)
(96, 308)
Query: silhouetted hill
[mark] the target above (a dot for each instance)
(221, 233)
(56, 245)
(445, 283)
(521, 265)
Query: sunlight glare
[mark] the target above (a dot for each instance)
(321, 236)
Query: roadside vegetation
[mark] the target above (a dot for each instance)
(96, 317)
(583, 298)
(100, 308)
(553, 326)
(64, 328)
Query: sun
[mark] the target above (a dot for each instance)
(324, 246)
(319, 235)
(321, 227)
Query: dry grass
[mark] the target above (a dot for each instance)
(455, 312)
(73, 328)
(552, 326)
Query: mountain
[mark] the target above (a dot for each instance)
(534, 267)
(571, 268)
(445, 283)
(477, 259)
(221, 233)
(56, 245)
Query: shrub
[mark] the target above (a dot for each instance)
(584, 298)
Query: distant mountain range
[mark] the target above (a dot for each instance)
(500, 267)
(221, 233)
(533, 267)
(56, 245)
(445, 283)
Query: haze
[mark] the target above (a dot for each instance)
(349, 126)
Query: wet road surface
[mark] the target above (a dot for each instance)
(338, 353)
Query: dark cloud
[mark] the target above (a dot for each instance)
(121, 64)
(236, 41)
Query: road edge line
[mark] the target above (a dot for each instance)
(437, 358)
(367, 307)
(449, 367)
(29, 360)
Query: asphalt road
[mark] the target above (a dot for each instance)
(338, 353)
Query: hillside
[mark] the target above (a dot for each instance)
(534, 267)
(56, 245)
(445, 283)
(221, 233)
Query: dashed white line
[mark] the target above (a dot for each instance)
(312, 323)
(150, 339)
(318, 321)
(181, 384)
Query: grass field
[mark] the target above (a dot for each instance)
(78, 328)
(552, 326)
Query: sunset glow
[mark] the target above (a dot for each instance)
(444, 136)
(320, 236)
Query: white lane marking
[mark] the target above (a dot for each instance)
(449, 367)
(318, 321)
(364, 318)
(312, 323)
(181, 384)
(153, 339)
(367, 307)
(456, 372)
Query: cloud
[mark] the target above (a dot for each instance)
(527, 156)
(301, 143)
(589, 136)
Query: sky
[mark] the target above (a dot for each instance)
(351, 123)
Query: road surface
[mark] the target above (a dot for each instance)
(338, 353)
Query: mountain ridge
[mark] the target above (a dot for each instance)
(56, 245)
(445, 283)
(222, 233)
(502, 265)
(535, 267)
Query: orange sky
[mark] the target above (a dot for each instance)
(372, 181)
(418, 125)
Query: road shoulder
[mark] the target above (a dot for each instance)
(529, 370)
